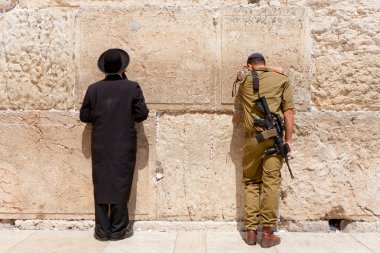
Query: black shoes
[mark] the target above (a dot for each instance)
(103, 239)
(128, 233)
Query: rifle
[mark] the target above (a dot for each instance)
(273, 121)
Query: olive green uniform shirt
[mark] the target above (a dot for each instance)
(274, 86)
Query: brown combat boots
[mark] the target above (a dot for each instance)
(269, 239)
(251, 237)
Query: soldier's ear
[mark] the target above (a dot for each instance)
(251, 67)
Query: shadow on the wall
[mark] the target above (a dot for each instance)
(236, 148)
(141, 160)
(86, 140)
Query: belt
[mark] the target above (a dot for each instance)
(262, 136)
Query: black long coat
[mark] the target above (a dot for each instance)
(113, 106)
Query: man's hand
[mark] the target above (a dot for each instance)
(291, 153)
(276, 69)
(273, 68)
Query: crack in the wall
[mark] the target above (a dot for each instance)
(10, 205)
(66, 147)
(364, 209)
(367, 210)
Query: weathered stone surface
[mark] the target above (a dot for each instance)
(346, 52)
(55, 224)
(200, 158)
(167, 59)
(200, 178)
(336, 168)
(48, 173)
(6, 5)
(39, 69)
(44, 173)
(360, 227)
(3, 67)
(122, 3)
(305, 226)
(281, 34)
(140, 225)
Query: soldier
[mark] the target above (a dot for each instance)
(113, 105)
(261, 174)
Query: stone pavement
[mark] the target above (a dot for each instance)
(181, 241)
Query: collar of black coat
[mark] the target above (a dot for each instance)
(114, 77)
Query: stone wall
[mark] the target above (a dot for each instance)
(185, 54)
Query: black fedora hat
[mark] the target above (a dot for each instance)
(113, 61)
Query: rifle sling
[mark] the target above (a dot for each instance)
(267, 133)
(255, 79)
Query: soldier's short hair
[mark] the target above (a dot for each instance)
(256, 61)
(256, 58)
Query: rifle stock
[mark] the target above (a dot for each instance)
(271, 121)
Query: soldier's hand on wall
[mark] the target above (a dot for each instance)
(276, 69)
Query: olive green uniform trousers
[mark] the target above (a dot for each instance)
(262, 179)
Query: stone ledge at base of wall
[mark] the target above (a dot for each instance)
(291, 226)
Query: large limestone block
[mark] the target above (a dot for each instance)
(200, 162)
(281, 34)
(39, 69)
(346, 54)
(336, 168)
(45, 167)
(172, 50)
(42, 166)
